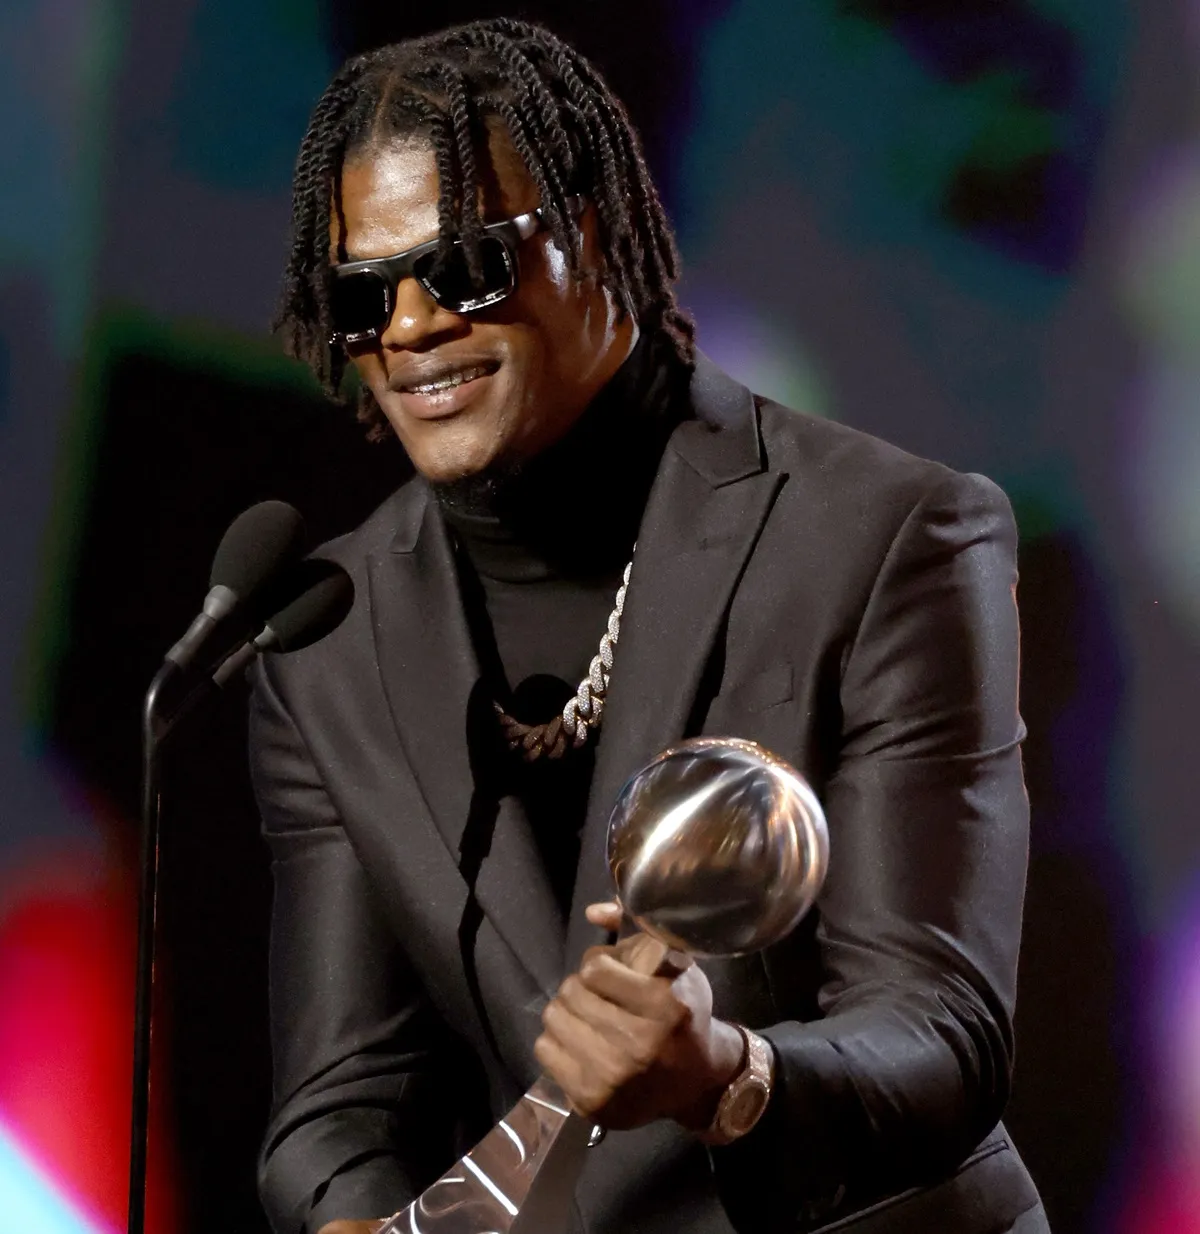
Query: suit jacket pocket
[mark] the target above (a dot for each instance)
(766, 688)
(762, 708)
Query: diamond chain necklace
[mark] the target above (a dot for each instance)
(583, 711)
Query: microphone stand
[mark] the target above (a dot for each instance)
(153, 730)
(302, 621)
(156, 728)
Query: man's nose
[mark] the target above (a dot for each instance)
(417, 318)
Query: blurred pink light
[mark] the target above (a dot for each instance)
(66, 986)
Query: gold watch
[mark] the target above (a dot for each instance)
(742, 1104)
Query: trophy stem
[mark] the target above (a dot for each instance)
(519, 1179)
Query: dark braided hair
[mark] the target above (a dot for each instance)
(571, 132)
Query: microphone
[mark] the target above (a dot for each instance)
(259, 543)
(257, 548)
(326, 595)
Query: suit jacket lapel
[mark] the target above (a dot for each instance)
(432, 681)
(708, 504)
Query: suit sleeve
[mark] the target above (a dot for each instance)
(919, 920)
(355, 1115)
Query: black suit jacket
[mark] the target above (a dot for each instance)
(797, 583)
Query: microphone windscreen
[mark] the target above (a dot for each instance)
(326, 595)
(259, 543)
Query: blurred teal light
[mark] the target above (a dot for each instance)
(29, 1200)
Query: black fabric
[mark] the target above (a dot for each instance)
(542, 551)
(796, 583)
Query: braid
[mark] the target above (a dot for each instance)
(448, 177)
(572, 134)
(303, 306)
(556, 212)
(638, 190)
(536, 122)
(470, 224)
(536, 89)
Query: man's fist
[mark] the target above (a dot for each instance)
(353, 1227)
(628, 1048)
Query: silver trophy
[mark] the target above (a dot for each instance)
(717, 848)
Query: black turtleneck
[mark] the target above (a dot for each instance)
(541, 552)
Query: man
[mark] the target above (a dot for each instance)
(476, 232)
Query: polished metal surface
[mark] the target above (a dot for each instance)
(717, 847)
(518, 1179)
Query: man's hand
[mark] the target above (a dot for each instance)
(628, 1049)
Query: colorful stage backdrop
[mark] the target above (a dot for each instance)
(970, 227)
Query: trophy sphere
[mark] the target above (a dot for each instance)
(717, 847)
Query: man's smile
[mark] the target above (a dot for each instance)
(432, 390)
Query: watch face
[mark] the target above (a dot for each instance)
(745, 1108)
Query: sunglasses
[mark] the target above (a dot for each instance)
(363, 293)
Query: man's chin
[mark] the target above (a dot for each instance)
(444, 451)
(451, 463)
